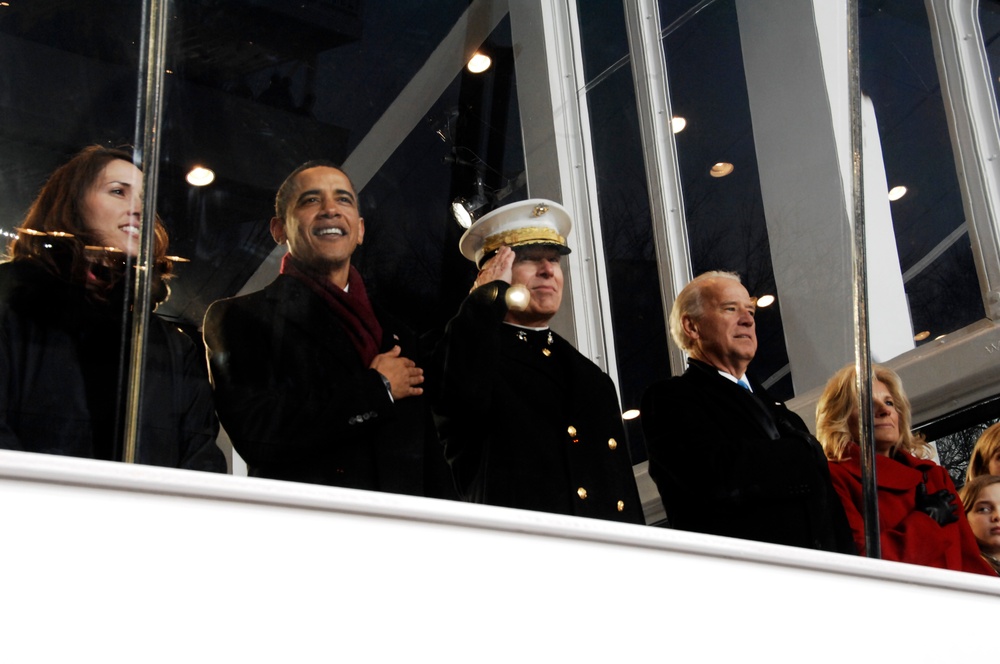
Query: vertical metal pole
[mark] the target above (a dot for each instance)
(149, 109)
(666, 200)
(862, 351)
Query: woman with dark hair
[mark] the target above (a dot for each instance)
(65, 325)
(981, 497)
(919, 517)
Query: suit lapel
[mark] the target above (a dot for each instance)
(756, 405)
(313, 322)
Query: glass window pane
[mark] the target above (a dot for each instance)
(900, 75)
(350, 84)
(724, 212)
(71, 81)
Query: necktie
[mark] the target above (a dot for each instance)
(742, 382)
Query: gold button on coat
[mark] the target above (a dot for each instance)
(571, 430)
(582, 493)
(612, 443)
(621, 505)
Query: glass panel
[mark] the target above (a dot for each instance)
(258, 88)
(899, 73)
(71, 77)
(989, 23)
(626, 227)
(725, 215)
(603, 37)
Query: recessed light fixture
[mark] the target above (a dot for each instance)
(199, 176)
(479, 63)
(630, 414)
(897, 192)
(765, 300)
(721, 169)
(677, 124)
(920, 336)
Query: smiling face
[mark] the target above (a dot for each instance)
(724, 335)
(537, 268)
(321, 224)
(886, 419)
(984, 518)
(112, 207)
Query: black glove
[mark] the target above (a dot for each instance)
(939, 506)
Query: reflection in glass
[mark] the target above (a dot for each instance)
(718, 165)
(900, 75)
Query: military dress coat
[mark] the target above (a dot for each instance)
(526, 420)
(907, 534)
(61, 384)
(730, 462)
(298, 402)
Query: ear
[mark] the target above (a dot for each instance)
(690, 327)
(278, 230)
(361, 230)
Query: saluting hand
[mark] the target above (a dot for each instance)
(500, 266)
(403, 373)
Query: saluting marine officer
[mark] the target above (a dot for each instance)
(526, 420)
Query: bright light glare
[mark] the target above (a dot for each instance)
(630, 414)
(897, 192)
(479, 63)
(199, 176)
(461, 213)
(765, 300)
(677, 124)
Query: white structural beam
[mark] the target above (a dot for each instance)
(666, 201)
(795, 60)
(559, 162)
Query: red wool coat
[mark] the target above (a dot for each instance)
(908, 535)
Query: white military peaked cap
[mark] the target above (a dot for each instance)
(534, 221)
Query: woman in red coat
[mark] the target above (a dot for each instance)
(920, 518)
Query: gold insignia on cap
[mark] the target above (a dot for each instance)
(571, 430)
(546, 352)
(539, 210)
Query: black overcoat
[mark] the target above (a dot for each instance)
(528, 422)
(299, 404)
(62, 388)
(740, 464)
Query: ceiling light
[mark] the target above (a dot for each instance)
(479, 63)
(920, 336)
(677, 124)
(721, 169)
(630, 414)
(199, 176)
(765, 300)
(897, 192)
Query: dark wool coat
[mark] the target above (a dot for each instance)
(529, 423)
(61, 388)
(907, 534)
(734, 463)
(299, 404)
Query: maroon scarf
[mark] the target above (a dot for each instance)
(352, 306)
